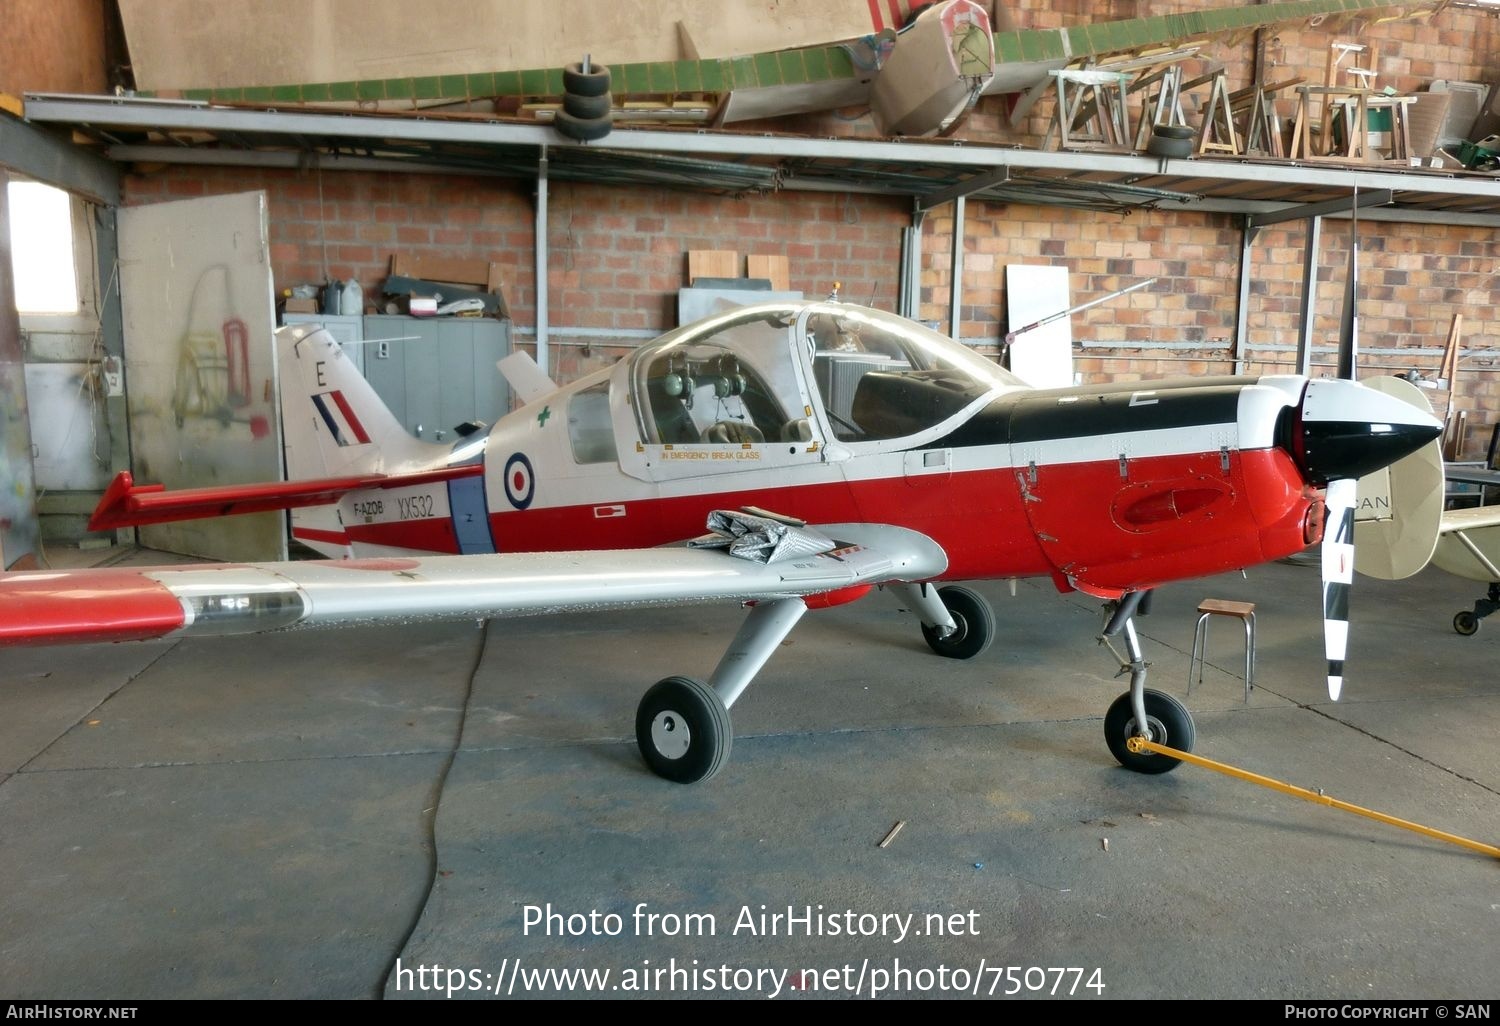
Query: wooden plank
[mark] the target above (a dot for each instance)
(434, 268)
(1453, 419)
(777, 268)
(713, 263)
(1449, 367)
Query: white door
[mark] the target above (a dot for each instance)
(200, 364)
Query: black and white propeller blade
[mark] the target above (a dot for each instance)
(1338, 576)
(1342, 493)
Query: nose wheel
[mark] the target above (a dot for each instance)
(683, 730)
(1167, 723)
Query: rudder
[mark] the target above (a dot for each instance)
(333, 423)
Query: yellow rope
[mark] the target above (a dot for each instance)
(1141, 744)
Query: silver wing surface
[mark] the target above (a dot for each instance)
(140, 603)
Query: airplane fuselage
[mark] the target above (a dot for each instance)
(1106, 489)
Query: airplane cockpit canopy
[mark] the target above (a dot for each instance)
(728, 380)
(737, 378)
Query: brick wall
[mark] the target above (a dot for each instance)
(357, 219)
(618, 258)
(1413, 280)
(618, 253)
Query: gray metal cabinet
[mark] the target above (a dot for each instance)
(438, 372)
(347, 329)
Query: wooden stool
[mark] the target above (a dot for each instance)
(1245, 612)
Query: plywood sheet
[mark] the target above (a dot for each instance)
(173, 45)
(713, 263)
(1041, 357)
(200, 364)
(776, 269)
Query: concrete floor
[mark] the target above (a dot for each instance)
(253, 817)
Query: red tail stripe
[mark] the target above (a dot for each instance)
(348, 411)
(315, 534)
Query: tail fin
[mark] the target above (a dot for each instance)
(332, 421)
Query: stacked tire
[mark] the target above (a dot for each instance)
(587, 107)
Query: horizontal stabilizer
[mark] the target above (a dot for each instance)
(127, 504)
(523, 375)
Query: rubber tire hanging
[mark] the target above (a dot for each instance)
(587, 110)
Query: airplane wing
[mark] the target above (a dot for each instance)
(127, 504)
(1469, 543)
(136, 604)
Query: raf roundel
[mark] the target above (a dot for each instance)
(520, 483)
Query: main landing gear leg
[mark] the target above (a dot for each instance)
(1153, 714)
(682, 725)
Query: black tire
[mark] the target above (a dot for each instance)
(1171, 141)
(1466, 623)
(975, 622)
(683, 730)
(594, 82)
(1170, 724)
(581, 129)
(588, 108)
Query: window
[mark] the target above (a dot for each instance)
(883, 377)
(729, 382)
(41, 248)
(589, 426)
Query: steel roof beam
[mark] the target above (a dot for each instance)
(143, 115)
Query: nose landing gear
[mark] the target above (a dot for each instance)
(1139, 712)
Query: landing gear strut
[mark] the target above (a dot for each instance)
(1152, 714)
(682, 725)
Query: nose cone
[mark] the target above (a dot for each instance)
(1348, 430)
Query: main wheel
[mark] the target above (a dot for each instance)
(683, 730)
(973, 620)
(1167, 723)
(1466, 623)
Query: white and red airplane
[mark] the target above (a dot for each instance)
(915, 461)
